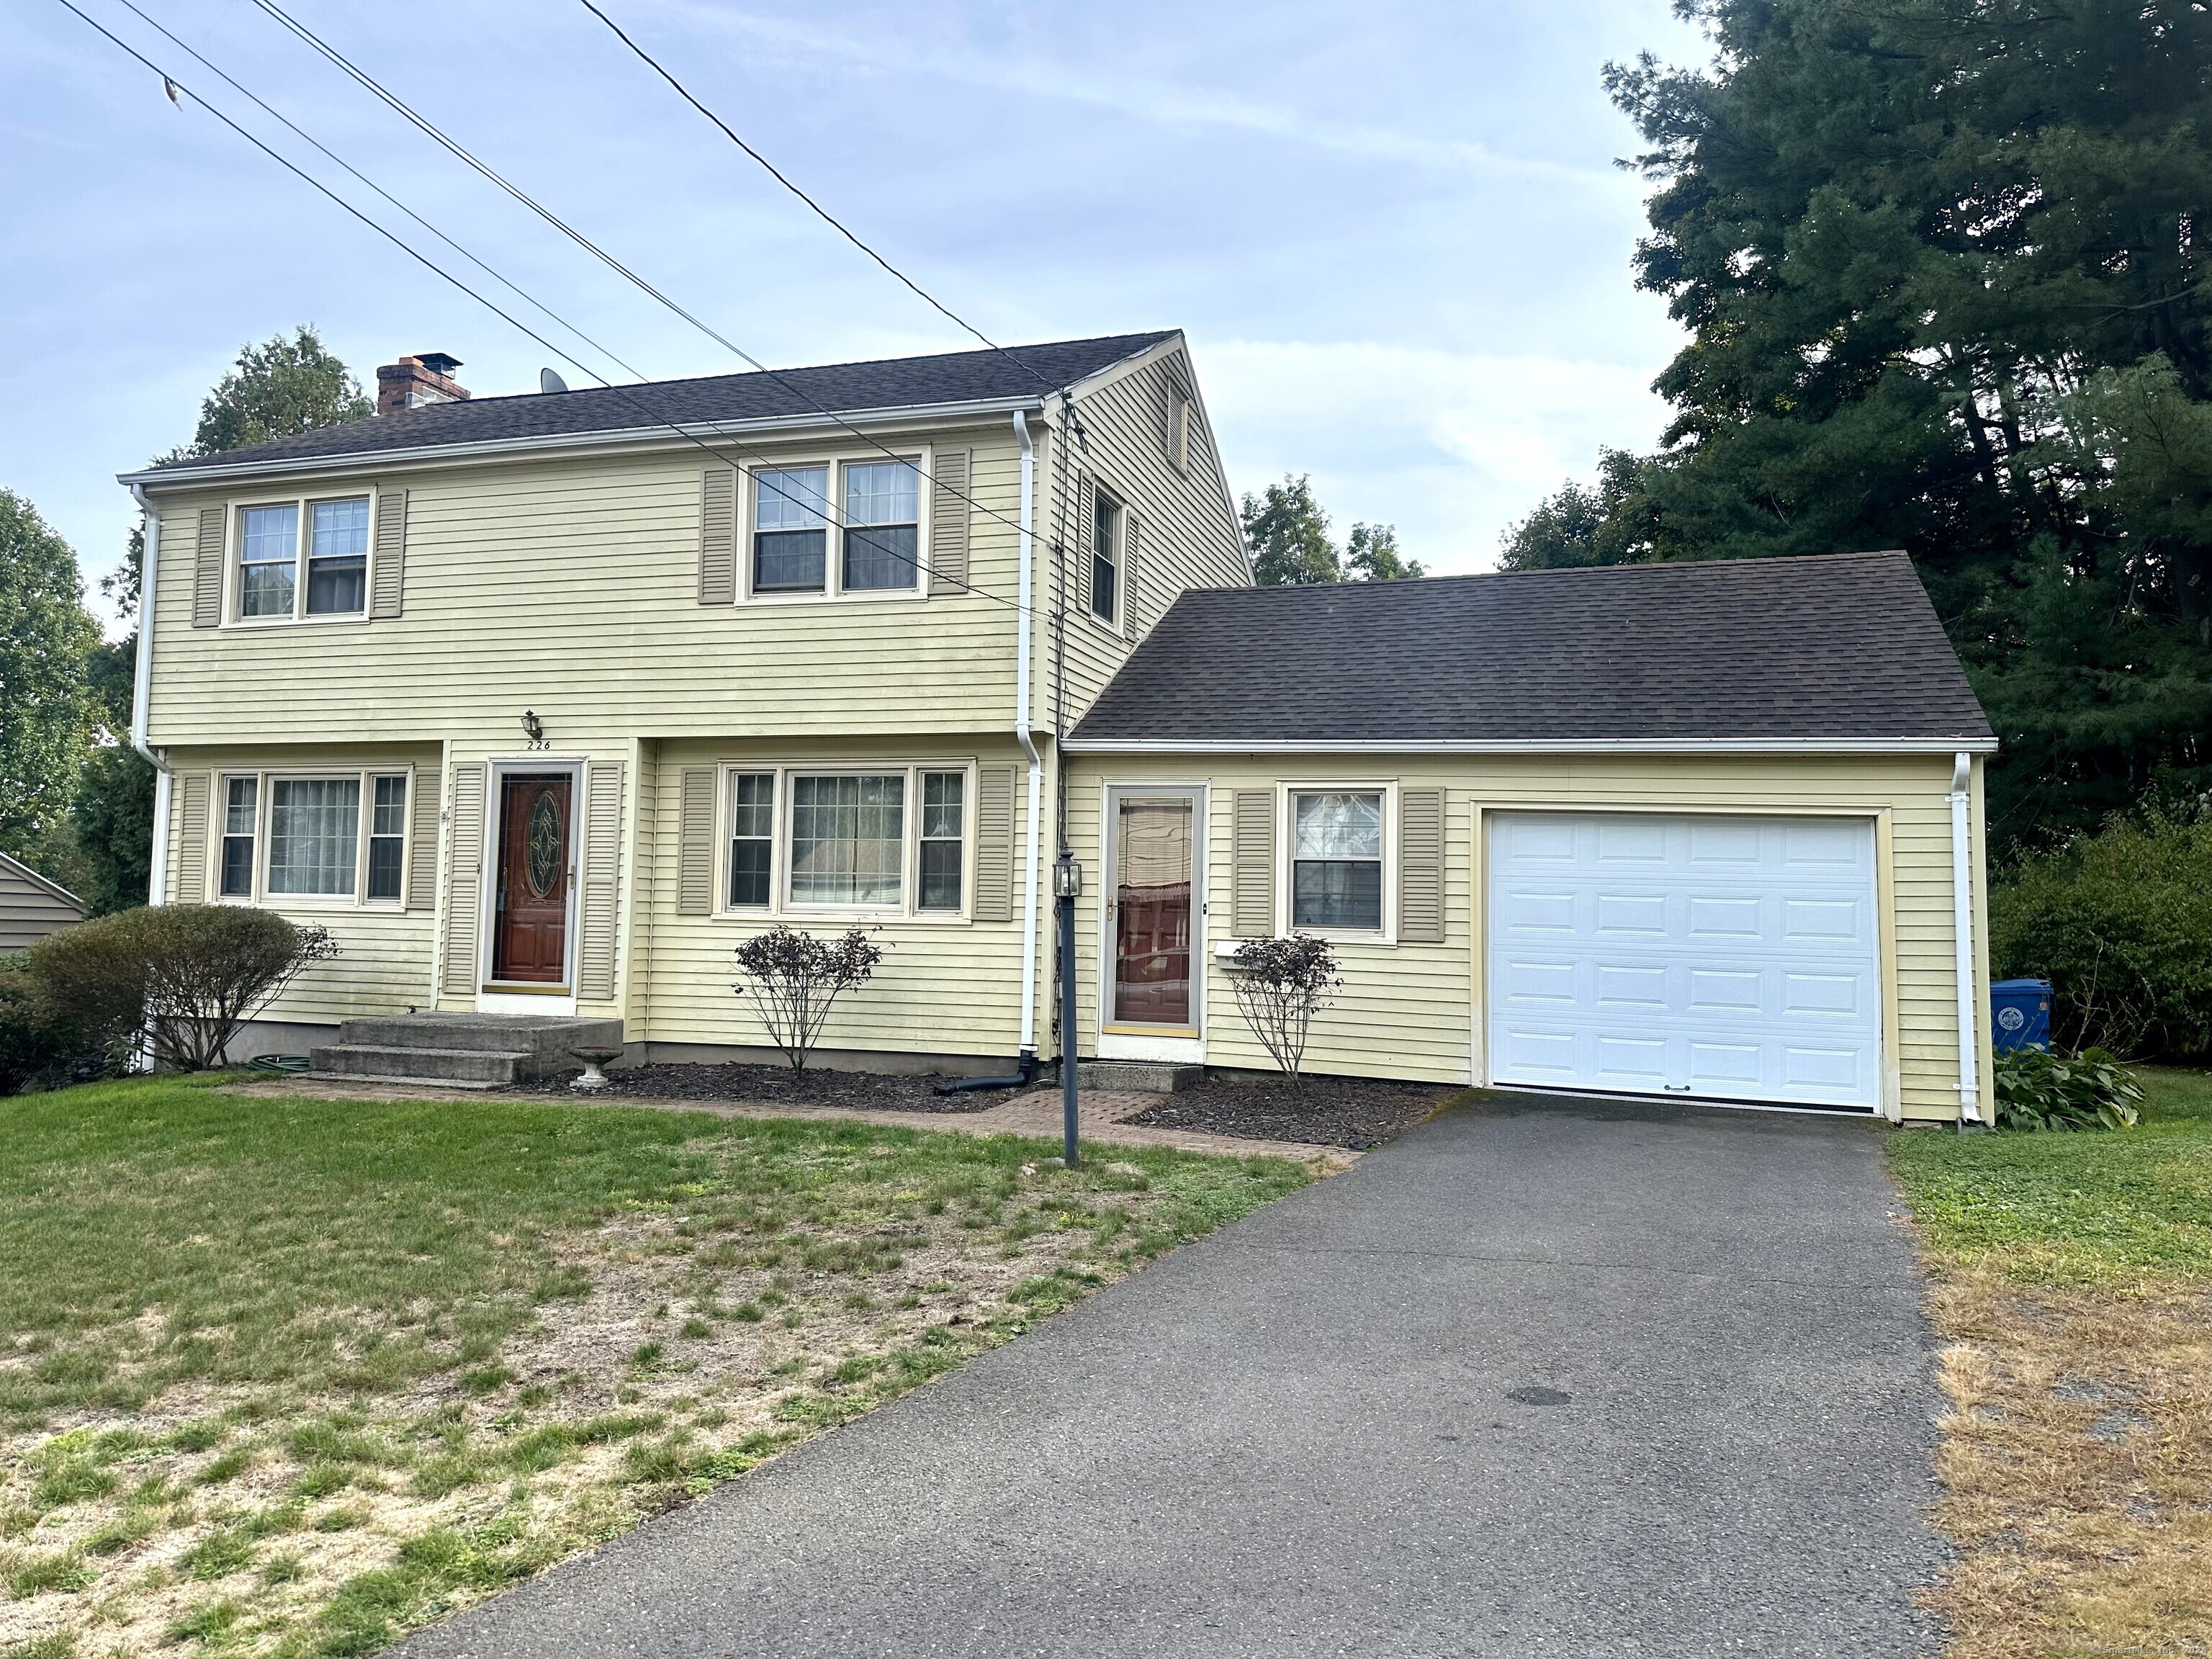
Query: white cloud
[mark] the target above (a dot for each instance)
(1450, 447)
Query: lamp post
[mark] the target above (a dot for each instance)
(1066, 888)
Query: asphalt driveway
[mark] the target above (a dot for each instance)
(1540, 1377)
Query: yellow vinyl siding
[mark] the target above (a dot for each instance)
(944, 988)
(1413, 1011)
(384, 964)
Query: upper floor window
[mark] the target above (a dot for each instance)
(1105, 553)
(883, 524)
(303, 559)
(791, 529)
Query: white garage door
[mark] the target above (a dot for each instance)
(1716, 958)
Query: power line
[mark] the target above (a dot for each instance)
(651, 415)
(431, 130)
(820, 212)
(339, 161)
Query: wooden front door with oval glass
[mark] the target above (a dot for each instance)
(529, 933)
(1154, 861)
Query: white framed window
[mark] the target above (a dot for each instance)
(855, 840)
(305, 559)
(314, 838)
(1105, 556)
(1337, 877)
(836, 527)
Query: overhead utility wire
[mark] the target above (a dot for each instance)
(820, 212)
(654, 416)
(339, 161)
(432, 131)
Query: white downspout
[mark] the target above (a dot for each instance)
(1962, 933)
(141, 682)
(1022, 716)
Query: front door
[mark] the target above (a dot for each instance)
(530, 936)
(1151, 911)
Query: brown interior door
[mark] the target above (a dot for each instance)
(1151, 913)
(530, 938)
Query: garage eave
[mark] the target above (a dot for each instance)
(1534, 746)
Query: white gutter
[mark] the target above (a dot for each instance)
(1541, 746)
(1021, 716)
(142, 686)
(643, 436)
(1962, 933)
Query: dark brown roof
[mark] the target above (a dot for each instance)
(1837, 646)
(952, 377)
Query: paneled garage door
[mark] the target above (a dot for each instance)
(1730, 958)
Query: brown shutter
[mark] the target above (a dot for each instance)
(1252, 879)
(717, 536)
(423, 843)
(190, 882)
(1084, 516)
(948, 519)
(694, 850)
(207, 570)
(597, 950)
(387, 580)
(1128, 582)
(994, 844)
(1421, 866)
(467, 885)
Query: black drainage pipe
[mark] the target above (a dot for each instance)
(1024, 1075)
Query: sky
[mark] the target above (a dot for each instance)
(1394, 232)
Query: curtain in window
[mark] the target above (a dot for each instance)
(882, 513)
(790, 529)
(314, 825)
(268, 555)
(338, 558)
(848, 840)
(1336, 876)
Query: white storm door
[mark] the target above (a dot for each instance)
(1693, 956)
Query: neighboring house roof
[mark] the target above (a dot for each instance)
(947, 379)
(1768, 652)
(31, 906)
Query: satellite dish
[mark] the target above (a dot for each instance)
(549, 381)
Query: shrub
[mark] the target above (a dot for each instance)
(2120, 923)
(2039, 1090)
(1280, 984)
(794, 977)
(38, 1049)
(179, 979)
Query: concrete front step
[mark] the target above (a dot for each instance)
(475, 1051)
(460, 1068)
(1150, 1076)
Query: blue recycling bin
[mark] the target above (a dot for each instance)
(2019, 1014)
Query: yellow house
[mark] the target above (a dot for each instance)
(542, 704)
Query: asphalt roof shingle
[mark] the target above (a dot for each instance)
(1837, 646)
(953, 377)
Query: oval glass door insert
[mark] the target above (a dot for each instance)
(543, 867)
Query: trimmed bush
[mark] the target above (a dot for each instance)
(794, 977)
(2039, 1090)
(179, 979)
(2120, 923)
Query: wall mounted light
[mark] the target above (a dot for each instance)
(533, 728)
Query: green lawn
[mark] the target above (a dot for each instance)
(288, 1375)
(2074, 1210)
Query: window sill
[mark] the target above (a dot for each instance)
(815, 596)
(856, 918)
(262, 625)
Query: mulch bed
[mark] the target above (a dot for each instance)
(1328, 1111)
(870, 1092)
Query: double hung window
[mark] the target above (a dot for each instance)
(304, 558)
(791, 529)
(882, 525)
(322, 838)
(888, 840)
(1336, 863)
(1105, 561)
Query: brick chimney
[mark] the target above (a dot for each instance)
(414, 381)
